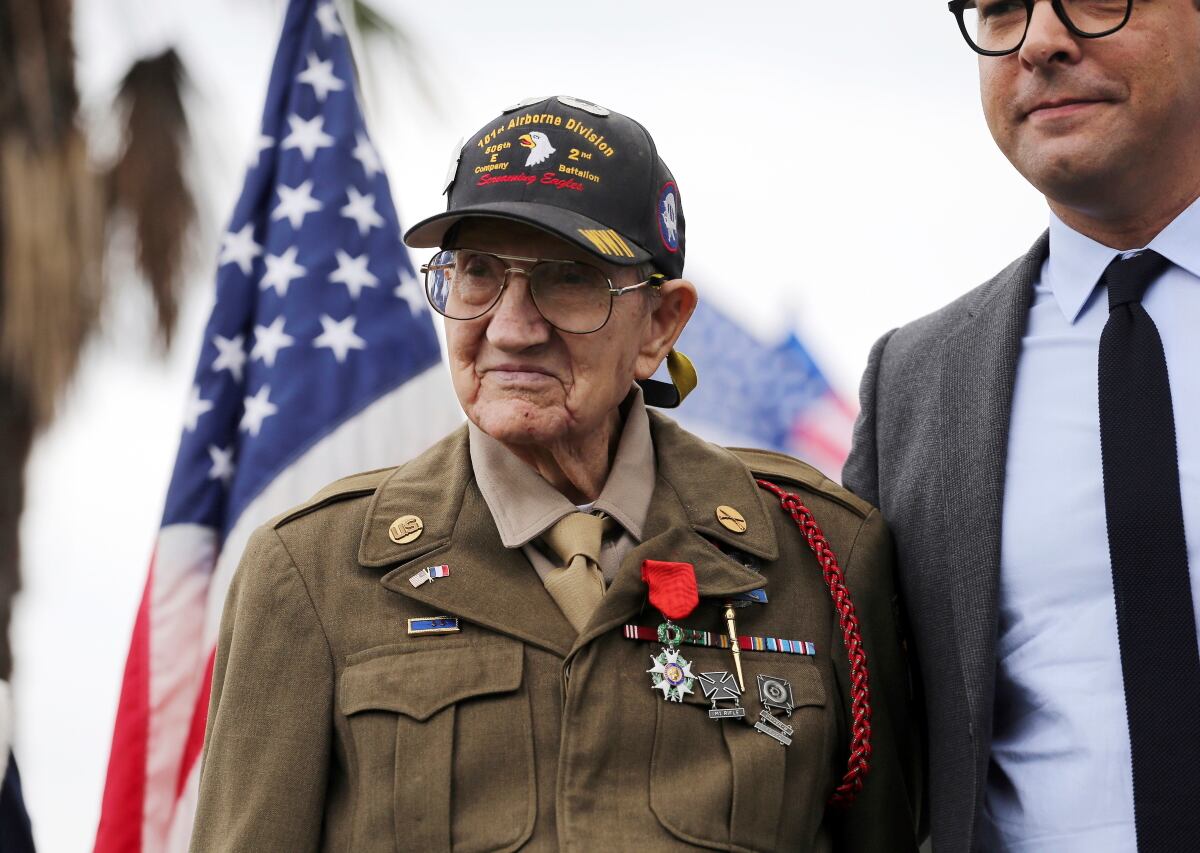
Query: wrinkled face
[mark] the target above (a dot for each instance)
(1077, 115)
(521, 380)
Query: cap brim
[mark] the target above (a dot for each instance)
(581, 231)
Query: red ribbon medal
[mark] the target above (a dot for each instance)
(673, 591)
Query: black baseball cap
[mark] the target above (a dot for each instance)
(575, 169)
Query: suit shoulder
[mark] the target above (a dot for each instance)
(916, 336)
(781, 468)
(364, 484)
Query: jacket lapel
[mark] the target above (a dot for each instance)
(977, 378)
(489, 585)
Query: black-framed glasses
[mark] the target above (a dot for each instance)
(572, 296)
(999, 27)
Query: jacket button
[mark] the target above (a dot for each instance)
(406, 528)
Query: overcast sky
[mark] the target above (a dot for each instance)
(833, 163)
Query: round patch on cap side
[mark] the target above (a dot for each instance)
(668, 216)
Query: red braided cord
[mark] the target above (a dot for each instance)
(859, 763)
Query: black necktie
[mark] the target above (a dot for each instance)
(1156, 623)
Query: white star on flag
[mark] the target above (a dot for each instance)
(257, 409)
(261, 144)
(411, 292)
(281, 269)
(364, 153)
(231, 355)
(240, 248)
(353, 273)
(327, 17)
(222, 464)
(339, 336)
(320, 76)
(308, 135)
(269, 340)
(195, 408)
(295, 203)
(361, 209)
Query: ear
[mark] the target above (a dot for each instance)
(676, 302)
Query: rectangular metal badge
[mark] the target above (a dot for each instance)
(735, 713)
(782, 737)
(433, 625)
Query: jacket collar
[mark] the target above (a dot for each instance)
(495, 587)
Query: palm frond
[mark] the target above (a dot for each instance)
(148, 184)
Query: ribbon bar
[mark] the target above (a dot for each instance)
(696, 637)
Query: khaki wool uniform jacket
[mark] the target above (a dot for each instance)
(330, 728)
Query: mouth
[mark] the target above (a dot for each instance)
(526, 140)
(1062, 107)
(519, 374)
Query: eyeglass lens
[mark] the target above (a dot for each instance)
(1000, 25)
(570, 295)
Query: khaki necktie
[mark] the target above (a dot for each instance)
(578, 586)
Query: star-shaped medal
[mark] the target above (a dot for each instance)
(672, 674)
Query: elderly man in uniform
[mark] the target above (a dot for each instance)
(570, 625)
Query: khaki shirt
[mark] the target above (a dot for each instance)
(332, 728)
(524, 506)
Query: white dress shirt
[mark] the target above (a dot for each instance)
(1060, 775)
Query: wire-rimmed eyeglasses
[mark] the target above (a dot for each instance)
(572, 296)
(999, 27)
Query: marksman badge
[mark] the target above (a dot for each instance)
(674, 593)
(722, 687)
(775, 693)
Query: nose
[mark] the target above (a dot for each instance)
(1048, 41)
(515, 324)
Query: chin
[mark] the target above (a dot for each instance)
(1078, 159)
(1070, 170)
(521, 422)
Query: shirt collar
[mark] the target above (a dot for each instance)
(524, 505)
(1179, 242)
(1076, 262)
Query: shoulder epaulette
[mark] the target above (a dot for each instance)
(356, 485)
(779, 467)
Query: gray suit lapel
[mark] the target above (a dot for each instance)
(977, 378)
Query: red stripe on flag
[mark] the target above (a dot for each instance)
(195, 737)
(809, 434)
(120, 829)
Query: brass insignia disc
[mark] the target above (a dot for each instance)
(405, 529)
(731, 519)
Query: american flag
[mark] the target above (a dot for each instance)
(319, 360)
(757, 394)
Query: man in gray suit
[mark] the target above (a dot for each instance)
(1035, 446)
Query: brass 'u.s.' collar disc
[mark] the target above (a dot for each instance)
(405, 529)
(731, 519)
